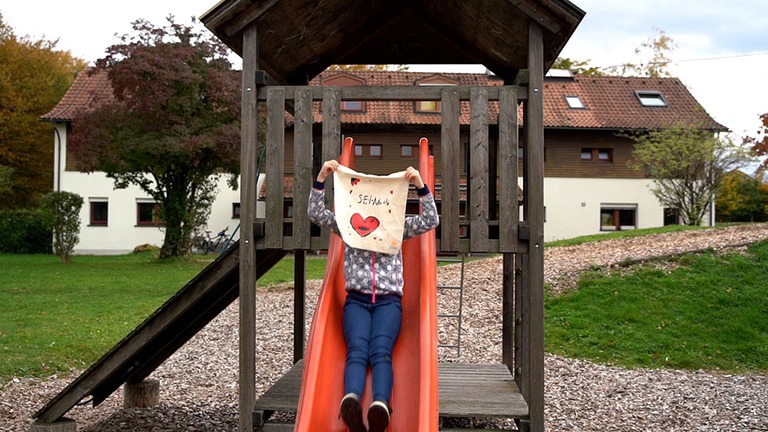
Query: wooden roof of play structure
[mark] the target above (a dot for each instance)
(305, 37)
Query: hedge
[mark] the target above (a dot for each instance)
(24, 232)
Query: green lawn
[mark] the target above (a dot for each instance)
(709, 313)
(56, 316)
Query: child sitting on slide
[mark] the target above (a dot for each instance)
(372, 310)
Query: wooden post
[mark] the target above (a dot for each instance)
(299, 300)
(535, 208)
(248, 150)
(142, 394)
(62, 425)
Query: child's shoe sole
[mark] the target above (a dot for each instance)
(378, 417)
(352, 413)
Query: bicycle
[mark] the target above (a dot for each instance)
(210, 244)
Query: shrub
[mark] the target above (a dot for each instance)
(24, 232)
(62, 210)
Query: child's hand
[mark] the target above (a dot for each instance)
(413, 177)
(328, 168)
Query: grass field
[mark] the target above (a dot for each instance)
(709, 313)
(56, 316)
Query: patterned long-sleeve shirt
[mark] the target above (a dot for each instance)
(374, 272)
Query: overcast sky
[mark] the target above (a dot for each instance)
(721, 54)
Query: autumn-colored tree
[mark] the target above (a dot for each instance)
(172, 127)
(365, 67)
(577, 67)
(759, 143)
(33, 78)
(656, 65)
(741, 198)
(686, 164)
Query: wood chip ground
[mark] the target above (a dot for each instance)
(199, 383)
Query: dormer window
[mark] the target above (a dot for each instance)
(651, 98)
(575, 102)
(346, 80)
(430, 107)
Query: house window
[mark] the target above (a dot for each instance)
(597, 154)
(368, 151)
(575, 102)
(148, 213)
(344, 79)
(235, 210)
(428, 106)
(408, 151)
(352, 106)
(618, 217)
(99, 211)
(651, 99)
(671, 216)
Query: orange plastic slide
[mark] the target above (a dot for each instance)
(414, 396)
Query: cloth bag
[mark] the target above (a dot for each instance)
(370, 209)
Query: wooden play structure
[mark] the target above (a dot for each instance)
(283, 44)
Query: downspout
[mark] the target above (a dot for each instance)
(58, 157)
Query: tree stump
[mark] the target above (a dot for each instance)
(142, 394)
(62, 425)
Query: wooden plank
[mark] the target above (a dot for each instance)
(299, 302)
(465, 390)
(302, 167)
(451, 157)
(509, 212)
(275, 167)
(508, 311)
(248, 195)
(535, 202)
(398, 93)
(478, 169)
(331, 140)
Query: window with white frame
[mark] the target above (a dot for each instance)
(575, 102)
(651, 98)
(368, 151)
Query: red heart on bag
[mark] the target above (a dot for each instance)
(364, 226)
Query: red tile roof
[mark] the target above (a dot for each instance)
(84, 94)
(611, 102)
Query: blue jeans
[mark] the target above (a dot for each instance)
(370, 330)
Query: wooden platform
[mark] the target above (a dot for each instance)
(465, 390)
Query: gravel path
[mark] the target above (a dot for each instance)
(199, 383)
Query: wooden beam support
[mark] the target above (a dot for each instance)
(534, 204)
(248, 195)
(449, 183)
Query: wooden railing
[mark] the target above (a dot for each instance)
(491, 222)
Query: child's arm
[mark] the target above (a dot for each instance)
(428, 219)
(317, 212)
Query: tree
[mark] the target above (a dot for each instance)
(173, 126)
(686, 164)
(365, 67)
(659, 49)
(33, 77)
(578, 67)
(741, 198)
(759, 143)
(62, 210)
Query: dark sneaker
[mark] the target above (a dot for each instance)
(352, 413)
(378, 417)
